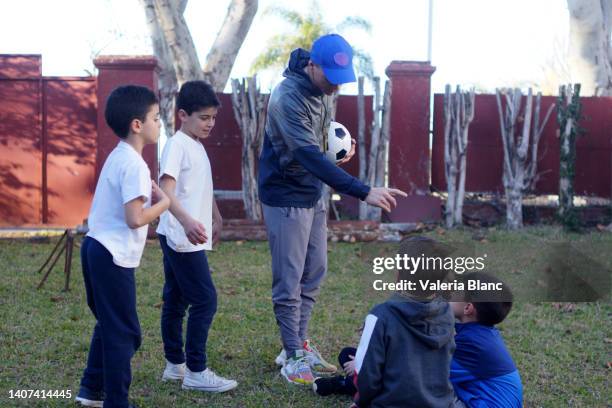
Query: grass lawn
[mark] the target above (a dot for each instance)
(563, 356)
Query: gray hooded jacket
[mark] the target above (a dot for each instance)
(404, 355)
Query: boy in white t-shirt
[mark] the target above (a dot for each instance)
(190, 227)
(112, 249)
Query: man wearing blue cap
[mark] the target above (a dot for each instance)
(292, 168)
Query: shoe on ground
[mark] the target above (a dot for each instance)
(207, 381)
(330, 385)
(281, 359)
(317, 363)
(89, 398)
(173, 371)
(297, 371)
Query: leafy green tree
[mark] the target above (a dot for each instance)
(307, 28)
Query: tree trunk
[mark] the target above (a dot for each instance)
(178, 39)
(331, 102)
(449, 159)
(520, 167)
(223, 53)
(514, 208)
(568, 114)
(168, 83)
(385, 132)
(467, 116)
(590, 50)
(458, 114)
(379, 165)
(363, 207)
(375, 135)
(249, 110)
(176, 52)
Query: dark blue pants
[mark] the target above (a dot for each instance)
(188, 284)
(347, 387)
(111, 296)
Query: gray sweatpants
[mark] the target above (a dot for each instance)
(298, 245)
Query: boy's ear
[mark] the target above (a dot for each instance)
(135, 126)
(469, 309)
(182, 115)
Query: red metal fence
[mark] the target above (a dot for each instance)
(53, 137)
(485, 151)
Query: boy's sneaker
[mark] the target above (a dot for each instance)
(173, 371)
(331, 385)
(316, 361)
(89, 398)
(296, 370)
(207, 380)
(281, 359)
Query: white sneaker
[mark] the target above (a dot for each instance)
(207, 380)
(317, 363)
(173, 371)
(297, 370)
(89, 403)
(88, 398)
(281, 359)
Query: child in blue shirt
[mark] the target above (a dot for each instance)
(482, 371)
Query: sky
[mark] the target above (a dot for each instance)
(482, 43)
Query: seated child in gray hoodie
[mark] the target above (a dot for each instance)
(403, 358)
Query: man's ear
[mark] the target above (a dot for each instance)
(310, 66)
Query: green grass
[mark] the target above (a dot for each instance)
(44, 334)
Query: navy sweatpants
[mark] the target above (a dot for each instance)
(188, 284)
(111, 296)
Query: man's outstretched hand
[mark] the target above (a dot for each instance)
(383, 197)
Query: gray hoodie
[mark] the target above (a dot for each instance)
(404, 355)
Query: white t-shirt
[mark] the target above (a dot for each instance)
(124, 177)
(185, 160)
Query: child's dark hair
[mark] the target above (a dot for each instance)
(125, 104)
(418, 246)
(492, 307)
(196, 95)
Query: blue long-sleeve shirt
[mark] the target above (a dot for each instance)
(482, 371)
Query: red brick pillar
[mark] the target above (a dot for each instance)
(22, 141)
(409, 162)
(114, 71)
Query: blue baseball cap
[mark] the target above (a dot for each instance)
(335, 56)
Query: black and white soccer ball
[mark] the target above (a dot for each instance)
(338, 143)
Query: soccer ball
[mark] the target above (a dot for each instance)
(338, 143)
